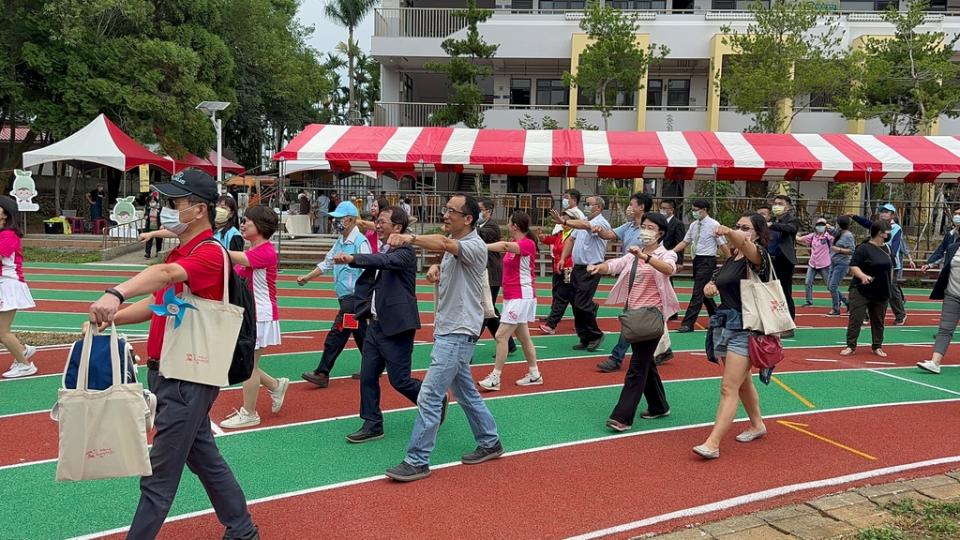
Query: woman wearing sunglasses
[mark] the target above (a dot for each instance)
(748, 240)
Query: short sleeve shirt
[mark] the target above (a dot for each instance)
(588, 247)
(261, 276)
(628, 234)
(204, 268)
(518, 271)
(460, 297)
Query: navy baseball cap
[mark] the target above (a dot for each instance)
(190, 182)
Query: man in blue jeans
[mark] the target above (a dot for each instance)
(457, 326)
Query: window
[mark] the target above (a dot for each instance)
(562, 4)
(637, 4)
(654, 93)
(883, 5)
(821, 101)
(552, 92)
(521, 5)
(520, 91)
(678, 93)
(724, 4)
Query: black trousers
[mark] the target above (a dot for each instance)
(859, 308)
(183, 438)
(784, 269)
(562, 297)
(338, 336)
(393, 353)
(642, 380)
(703, 269)
(150, 243)
(493, 323)
(584, 308)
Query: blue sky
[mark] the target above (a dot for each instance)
(326, 34)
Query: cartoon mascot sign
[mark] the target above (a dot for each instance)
(24, 190)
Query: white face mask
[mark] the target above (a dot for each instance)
(170, 220)
(646, 237)
(664, 213)
(956, 220)
(821, 228)
(565, 203)
(223, 215)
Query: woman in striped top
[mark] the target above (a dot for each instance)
(650, 289)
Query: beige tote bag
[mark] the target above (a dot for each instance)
(764, 304)
(200, 350)
(103, 433)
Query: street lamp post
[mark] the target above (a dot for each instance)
(210, 108)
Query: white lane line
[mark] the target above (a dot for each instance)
(881, 363)
(380, 477)
(892, 376)
(763, 495)
(822, 360)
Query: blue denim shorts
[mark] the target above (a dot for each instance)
(728, 333)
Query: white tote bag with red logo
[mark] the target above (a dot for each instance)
(103, 433)
(200, 350)
(764, 304)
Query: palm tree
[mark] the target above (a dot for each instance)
(349, 14)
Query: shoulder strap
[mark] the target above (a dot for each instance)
(226, 266)
(633, 275)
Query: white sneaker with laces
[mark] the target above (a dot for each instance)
(241, 419)
(20, 370)
(276, 397)
(929, 365)
(490, 383)
(530, 380)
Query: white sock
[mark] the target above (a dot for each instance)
(496, 373)
(534, 373)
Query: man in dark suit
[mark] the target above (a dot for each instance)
(489, 231)
(386, 293)
(676, 231)
(783, 250)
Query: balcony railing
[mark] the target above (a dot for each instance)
(441, 22)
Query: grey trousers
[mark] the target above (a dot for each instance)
(896, 301)
(949, 315)
(183, 438)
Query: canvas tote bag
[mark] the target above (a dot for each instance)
(103, 433)
(764, 304)
(200, 350)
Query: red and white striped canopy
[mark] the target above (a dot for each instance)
(100, 141)
(628, 154)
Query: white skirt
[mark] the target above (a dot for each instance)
(15, 294)
(519, 311)
(268, 334)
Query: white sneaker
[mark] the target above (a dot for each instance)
(241, 419)
(529, 380)
(929, 365)
(20, 370)
(29, 351)
(490, 383)
(276, 397)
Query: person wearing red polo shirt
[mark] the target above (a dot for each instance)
(183, 435)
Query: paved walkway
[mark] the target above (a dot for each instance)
(839, 515)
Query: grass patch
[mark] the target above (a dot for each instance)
(917, 520)
(32, 254)
(47, 338)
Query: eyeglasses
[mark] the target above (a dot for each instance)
(744, 228)
(446, 210)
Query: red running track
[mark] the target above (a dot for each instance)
(32, 437)
(567, 491)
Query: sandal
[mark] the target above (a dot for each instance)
(847, 352)
(880, 353)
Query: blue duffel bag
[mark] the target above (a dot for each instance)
(100, 376)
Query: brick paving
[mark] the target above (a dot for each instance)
(836, 516)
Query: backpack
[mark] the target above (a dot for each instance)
(238, 289)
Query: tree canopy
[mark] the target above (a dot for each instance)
(148, 63)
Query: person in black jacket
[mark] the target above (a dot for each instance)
(676, 230)
(387, 297)
(782, 247)
(949, 238)
(489, 231)
(947, 289)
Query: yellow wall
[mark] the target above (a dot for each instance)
(578, 43)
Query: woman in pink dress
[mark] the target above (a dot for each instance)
(259, 265)
(519, 300)
(14, 293)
